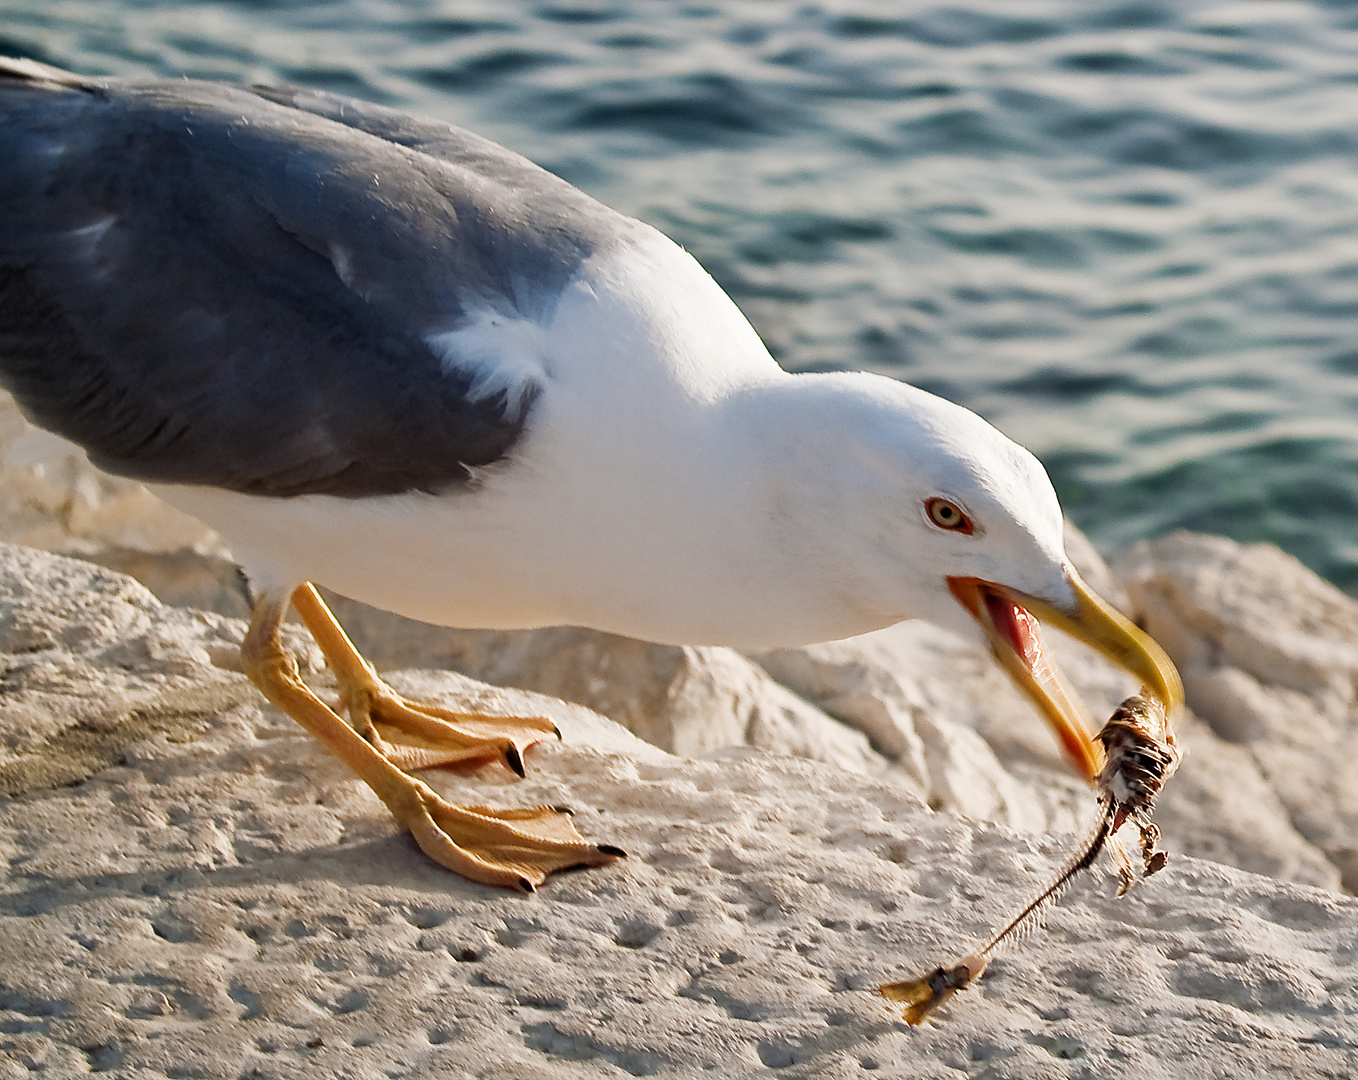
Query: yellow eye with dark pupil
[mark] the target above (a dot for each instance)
(947, 515)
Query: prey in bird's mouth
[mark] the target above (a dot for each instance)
(1129, 762)
(1141, 755)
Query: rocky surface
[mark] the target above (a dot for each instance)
(51, 497)
(191, 887)
(1269, 656)
(911, 705)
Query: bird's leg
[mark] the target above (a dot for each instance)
(516, 849)
(413, 735)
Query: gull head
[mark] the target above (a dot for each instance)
(940, 516)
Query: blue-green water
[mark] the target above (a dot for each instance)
(1127, 233)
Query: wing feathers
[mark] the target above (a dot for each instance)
(208, 285)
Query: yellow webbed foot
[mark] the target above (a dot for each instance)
(413, 734)
(419, 735)
(515, 849)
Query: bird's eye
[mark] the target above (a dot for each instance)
(948, 515)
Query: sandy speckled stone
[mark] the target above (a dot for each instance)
(222, 900)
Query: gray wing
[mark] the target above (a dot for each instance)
(433, 137)
(204, 284)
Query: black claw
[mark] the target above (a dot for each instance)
(610, 849)
(514, 759)
(563, 809)
(527, 886)
(556, 731)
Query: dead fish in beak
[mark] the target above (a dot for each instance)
(1141, 754)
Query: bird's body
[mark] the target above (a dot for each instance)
(385, 355)
(624, 449)
(304, 331)
(704, 522)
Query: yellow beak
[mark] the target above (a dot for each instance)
(1010, 621)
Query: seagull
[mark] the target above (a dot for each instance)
(382, 354)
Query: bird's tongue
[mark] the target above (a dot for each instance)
(1019, 629)
(1024, 635)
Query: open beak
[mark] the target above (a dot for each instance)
(1010, 621)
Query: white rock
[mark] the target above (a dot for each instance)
(956, 730)
(1269, 655)
(219, 898)
(52, 497)
(924, 697)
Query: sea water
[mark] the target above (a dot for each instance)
(1125, 232)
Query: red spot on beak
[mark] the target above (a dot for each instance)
(1016, 626)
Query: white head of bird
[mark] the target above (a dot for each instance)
(923, 510)
(919, 490)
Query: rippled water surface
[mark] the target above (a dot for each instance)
(1127, 233)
